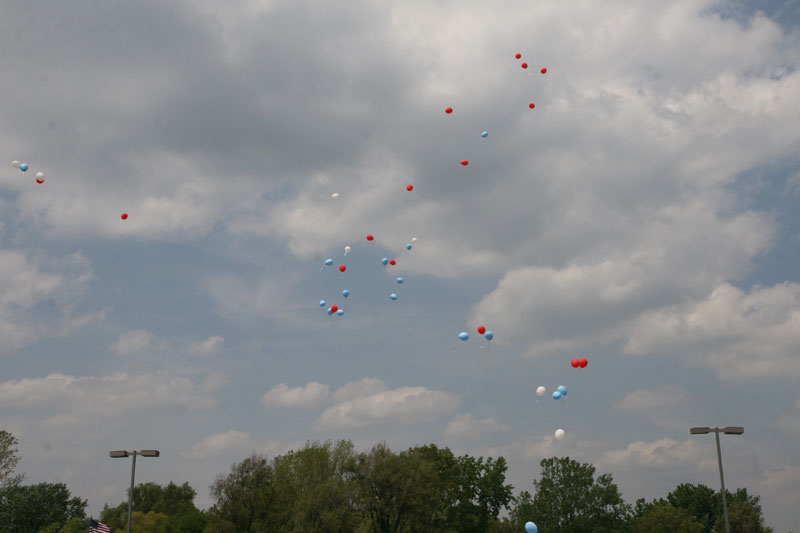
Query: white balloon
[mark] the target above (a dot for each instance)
(560, 434)
(335, 195)
(40, 175)
(413, 239)
(541, 391)
(347, 250)
(15, 163)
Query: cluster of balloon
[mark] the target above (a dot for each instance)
(560, 392)
(39, 176)
(580, 363)
(530, 527)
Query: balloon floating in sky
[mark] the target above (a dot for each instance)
(408, 246)
(335, 195)
(23, 167)
(543, 71)
(584, 362)
(464, 162)
(328, 262)
(481, 329)
(39, 177)
(334, 308)
(347, 250)
(345, 293)
(560, 434)
(385, 261)
(463, 335)
(531, 105)
(556, 395)
(342, 268)
(576, 363)
(518, 55)
(524, 65)
(540, 391)
(399, 281)
(322, 303)
(392, 262)
(370, 238)
(530, 527)
(393, 296)
(413, 239)
(409, 187)
(330, 311)
(448, 110)
(340, 312)
(489, 335)
(484, 134)
(15, 163)
(562, 389)
(124, 216)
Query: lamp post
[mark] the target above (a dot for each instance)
(134, 453)
(730, 430)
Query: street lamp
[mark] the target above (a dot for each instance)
(122, 453)
(730, 430)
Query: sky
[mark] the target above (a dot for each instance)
(643, 215)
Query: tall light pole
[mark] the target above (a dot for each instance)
(134, 453)
(730, 430)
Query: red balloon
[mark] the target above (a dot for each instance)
(409, 187)
(448, 110)
(531, 105)
(342, 268)
(464, 162)
(517, 55)
(575, 363)
(524, 65)
(584, 362)
(334, 308)
(543, 71)
(39, 181)
(124, 216)
(392, 262)
(370, 238)
(481, 329)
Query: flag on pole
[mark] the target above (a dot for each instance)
(98, 527)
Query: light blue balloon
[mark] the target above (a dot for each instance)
(530, 527)
(400, 280)
(484, 135)
(330, 311)
(556, 395)
(385, 261)
(489, 335)
(393, 296)
(463, 335)
(562, 389)
(340, 312)
(408, 246)
(23, 167)
(329, 262)
(345, 293)
(322, 303)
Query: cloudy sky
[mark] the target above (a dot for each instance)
(643, 215)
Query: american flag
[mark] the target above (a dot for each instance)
(98, 527)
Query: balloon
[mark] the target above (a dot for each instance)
(530, 527)
(328, 262)
(575, 363)
(393, 296)
(413, 239)
(392, 262)
(560, 434)
(409, 187)
(330, 311)
(464, 162)
(562, 389)
(370, 238)
(484, 134)
(489, 335)
(342, 268)
(540, 391)
(335, 195)
(347, 250)
(400, 281)
(524, 65)
(124, 216)
(543, 71)
(556, 395)
(340, 312)
(481, 329)
(15, 163)
(531, 105)
(39, 180)
(518, 55)
(448, 110)
(23, 167)
(584, 362)
(322, 303)
(463, 335)
(334, 308)
(385, 261)
(345, 293)
(39, 175)
(408, 246)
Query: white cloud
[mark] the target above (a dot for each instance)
(207, 347)
(310, 395)
(230, 442)
(133, 341)
(777, 478)
(645, 399)
(468, 427)
(404, 405)
(738, 334)
(363, 387)
(660, 453)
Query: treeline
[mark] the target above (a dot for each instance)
(332, 487)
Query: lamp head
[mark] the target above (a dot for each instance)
(117, 454)
(699, 431)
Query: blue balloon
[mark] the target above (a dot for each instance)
(484, 135)
(400, 280)
(562, 389)
(556, 395)
(340, 312)
(330, 311)
(489, 335)
(393, 296)
(463, 335)
(23, 167)
(322, 303)
(408, 246)
(329, 262)
(385, 261)
(530, 527)
(345, 293)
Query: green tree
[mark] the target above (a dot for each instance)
(8, 459)
(29, 508)
(243, 497)
(569, 499)
(744, 514)
(480, 494)
(664, 518)
(174, 501)
(700, 501)
(73, 525)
